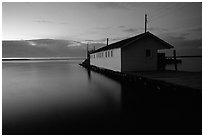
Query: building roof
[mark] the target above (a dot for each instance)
(128, 41)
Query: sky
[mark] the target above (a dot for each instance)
(75, 24)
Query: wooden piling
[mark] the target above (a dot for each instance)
(175, 63)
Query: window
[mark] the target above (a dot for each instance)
(111, 53)
(148, 53)
(105, 54)
(108, 54)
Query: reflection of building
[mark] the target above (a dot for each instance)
(138, 53)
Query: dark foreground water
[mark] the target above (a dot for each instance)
(60, 97)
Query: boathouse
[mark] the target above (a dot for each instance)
(138, 53)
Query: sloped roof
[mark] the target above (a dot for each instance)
(125, 42)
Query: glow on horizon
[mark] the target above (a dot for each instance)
(95, 21)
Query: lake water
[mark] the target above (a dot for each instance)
(61, 97)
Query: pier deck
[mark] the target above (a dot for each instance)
(183, 78)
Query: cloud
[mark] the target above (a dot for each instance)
(63, 23)
(74, 44)
(189, 47)
(121, 26)
(43, 21)
(195, 43)
(112, 5)
(184, 34)
(180, 41)
(32, 43)
(157, 29)
(161, 30)
(50, 22)
(43, 48)
(121, 5)
(103, 41)
(117, 39)
(196, 29)
(54, 43)
(130, 30)
(175, 36)
(103, 28)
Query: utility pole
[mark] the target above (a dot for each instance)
(107, 42)
(145, 23)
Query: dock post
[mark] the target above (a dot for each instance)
(88, 56)
(175, 63)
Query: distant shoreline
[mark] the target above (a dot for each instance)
(27, 59)
(14, 59)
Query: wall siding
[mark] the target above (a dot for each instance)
(134, 55)
(113, 63)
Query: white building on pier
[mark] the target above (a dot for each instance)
(138, 53)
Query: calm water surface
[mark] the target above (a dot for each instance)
(60, 97)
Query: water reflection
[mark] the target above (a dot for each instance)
(89, 74)
(148, 111)
(39, 97)
(64, 98)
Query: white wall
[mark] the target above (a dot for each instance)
(113, 63)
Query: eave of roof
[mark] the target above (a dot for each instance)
(128, 41)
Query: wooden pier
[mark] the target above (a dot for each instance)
(159, 84)
(182, 78)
